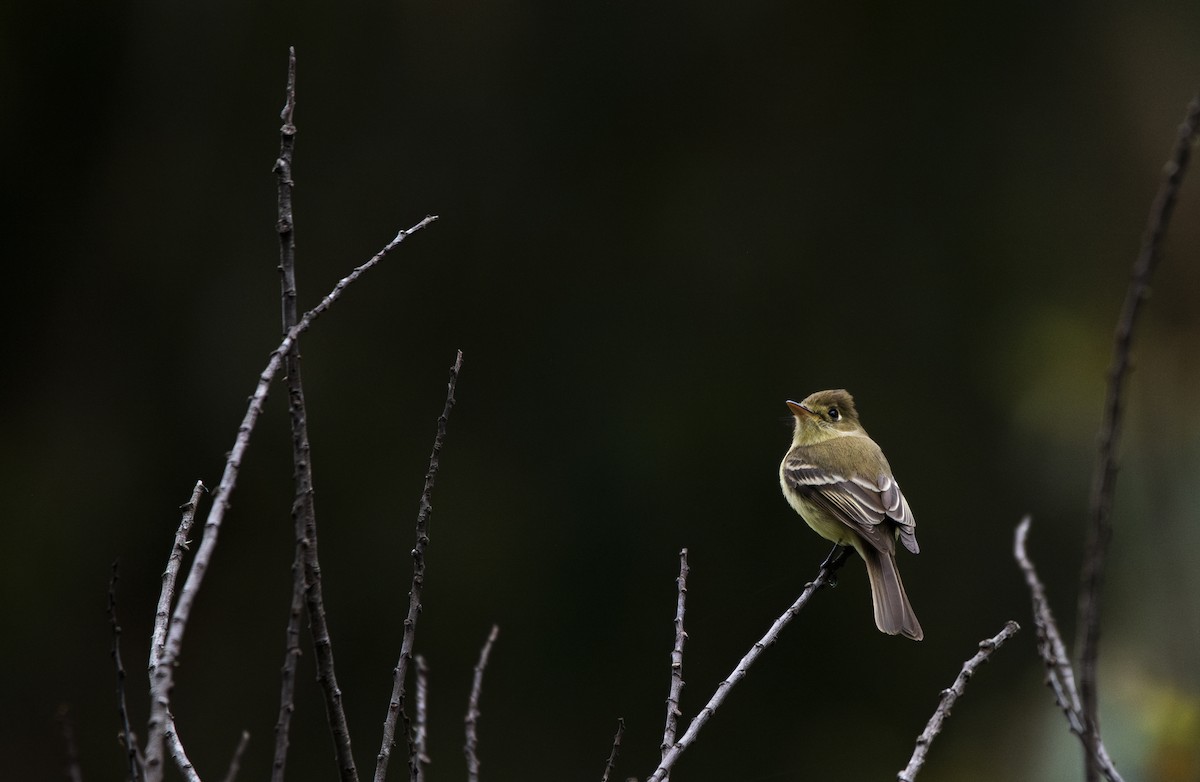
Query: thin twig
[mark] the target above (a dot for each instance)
(1105, 475)
(934, 727)
(287, 687)
(128, 738)
(421, 724)
(425, 509)
(284, 226)
(235, 763)
(307, 578)
(161, 721)
(472, 720)
(676, 690)
(826, 573)
(163, 675)
(1059, 675)
(74, 770)
(610, 766)
(166, 595)
(177, 752)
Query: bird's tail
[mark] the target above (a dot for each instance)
(893, 612)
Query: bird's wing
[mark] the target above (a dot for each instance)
(898, 511)
(860, 503)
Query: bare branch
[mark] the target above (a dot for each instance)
(127, 737)
(421, 727)
(616, 746)
(65, 724)
(1059, 675)
(425, 509)
(163, 672)
(235, 763)
(283, 170)
(828, 569)
(178, 754)
(287, 687)
(161, 721)
(472, 719)
(1105, 475)
(676, 690)
(934, 727)
(306, 568)
(162, 615)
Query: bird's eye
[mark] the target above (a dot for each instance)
(834, 414)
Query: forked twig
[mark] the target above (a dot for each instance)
(1059, 674)
(471, 745)
(425, 509)
(162, 677)
(1105, 475)
(934, 726)
(831, 565)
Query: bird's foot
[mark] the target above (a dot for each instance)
(836, 558)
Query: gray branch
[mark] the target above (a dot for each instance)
(163, 673)
(676, 690)
(1059, 675)
(425, 510)
(1105, 476)
(472, 720)
(942, 712)
(739, 672)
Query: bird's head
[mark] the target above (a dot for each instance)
(824, 415)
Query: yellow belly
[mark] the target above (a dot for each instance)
(824, 524)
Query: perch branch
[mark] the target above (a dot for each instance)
(425, 509)
(1059, 675)
(1105, 475)
(828, 569)
(472, 719)
(934, 726)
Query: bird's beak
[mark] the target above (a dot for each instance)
(799, 409)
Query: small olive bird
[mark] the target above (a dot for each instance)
(837, 478)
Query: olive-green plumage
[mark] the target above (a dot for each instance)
(838, 480)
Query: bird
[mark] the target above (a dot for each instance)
(837, 478)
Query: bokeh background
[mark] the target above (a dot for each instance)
(658, 222)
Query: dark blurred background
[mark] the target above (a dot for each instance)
(658, 222)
